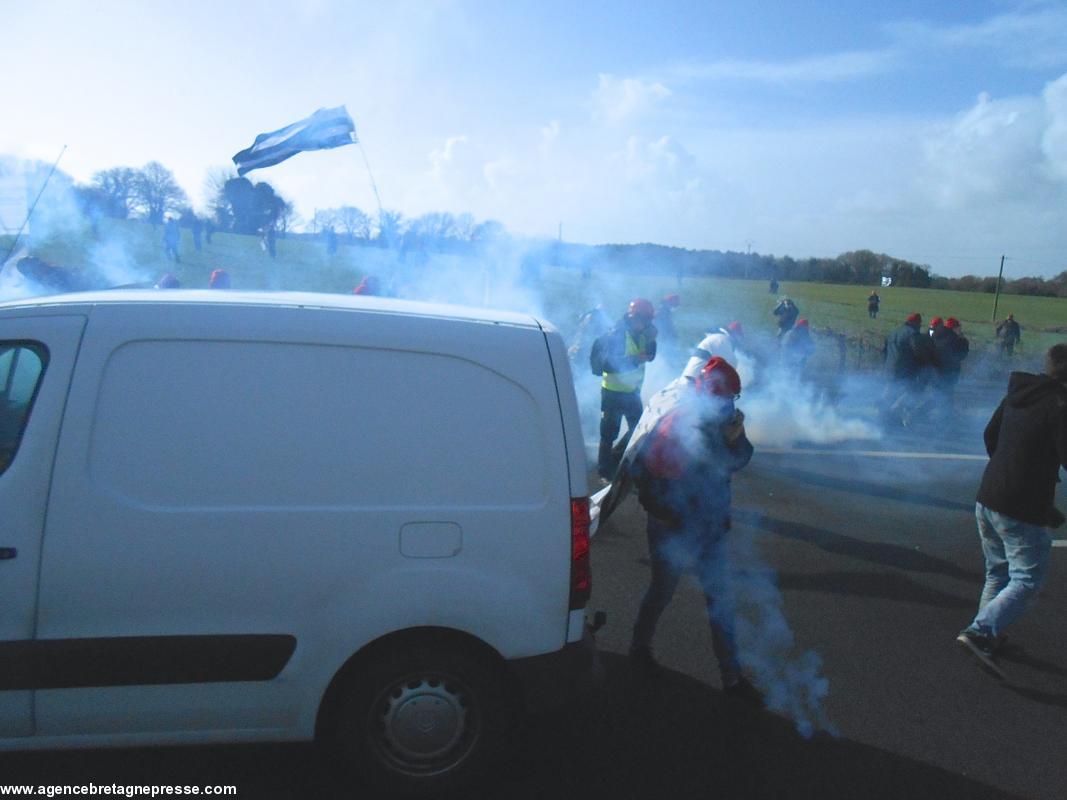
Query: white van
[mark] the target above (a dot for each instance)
(266, 517)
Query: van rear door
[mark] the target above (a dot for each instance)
(36, 358)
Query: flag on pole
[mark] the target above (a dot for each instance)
(325, 129)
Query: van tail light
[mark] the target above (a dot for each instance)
(581, 574)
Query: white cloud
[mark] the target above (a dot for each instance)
(834, 67)
(441, 158)
(1029, 37)
(618, 99)
(1054, 139)
(1006, 149)
(549, 135)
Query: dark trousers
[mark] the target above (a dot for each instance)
(700, 547)
(613, 407)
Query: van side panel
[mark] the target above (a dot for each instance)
(248, 471)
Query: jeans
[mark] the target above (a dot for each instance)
(613, 407)
(1016, 565)
(700, 546)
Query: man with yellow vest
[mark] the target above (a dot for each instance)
(621, 356)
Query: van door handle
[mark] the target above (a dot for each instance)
(7, 553)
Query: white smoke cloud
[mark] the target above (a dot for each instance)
(619, 99)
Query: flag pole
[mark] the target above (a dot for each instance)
(29, 214)
(370, 174)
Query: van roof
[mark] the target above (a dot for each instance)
(215, 297)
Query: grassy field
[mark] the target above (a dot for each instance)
(132, 251)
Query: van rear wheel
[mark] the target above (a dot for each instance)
(423, 719)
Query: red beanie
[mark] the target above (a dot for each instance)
(914, 319)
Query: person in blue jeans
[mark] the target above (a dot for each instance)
(1026, 439)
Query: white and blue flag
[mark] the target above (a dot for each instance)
(323, 130)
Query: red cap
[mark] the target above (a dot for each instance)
(802, 323)
(672, 300)
(936, 321)
(220, 279)
(914, 319)
(641, 308)
(952, 322)
(735, 328)
(367, 286)
(719, 379)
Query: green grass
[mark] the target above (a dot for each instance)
(832, 309)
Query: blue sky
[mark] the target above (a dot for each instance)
(937, 134)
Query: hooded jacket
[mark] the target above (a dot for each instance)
(684, 466)
(906, 353)
(1026, 439)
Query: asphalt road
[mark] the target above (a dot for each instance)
(879, 567)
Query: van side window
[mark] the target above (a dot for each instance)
(21, 366)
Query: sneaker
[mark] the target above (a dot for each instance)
(644, 662)
(982, 647)
(743, 690)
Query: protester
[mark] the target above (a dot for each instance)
(682, 472)
(724, 342)
(1026, 440)
(168, 281)
(620, 356)
(787, 312)
(172, 236)
(220, 279)
(936, 325)
(797, 346)
(908, 355)
(951, 348)
(1009, 334)
(873, 301)
(369, 287)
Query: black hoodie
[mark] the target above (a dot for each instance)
(1027, 443)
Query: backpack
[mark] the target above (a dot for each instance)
(598, 363)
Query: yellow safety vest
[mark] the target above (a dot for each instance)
(628, 381)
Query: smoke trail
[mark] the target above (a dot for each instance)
(792, 682)
(782, 409)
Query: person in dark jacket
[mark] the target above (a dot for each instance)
(951, 348)
(873, 300)
(1009, 334)
(624, 350)
(908, 355)
(1026, 439)
(786, 312)
(682, 472)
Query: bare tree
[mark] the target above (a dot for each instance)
(217, 205)
(157, 192)
(434, 227)
(288, 218)
(322, 219)
(354, 222)
(390, 227)
(115, 190)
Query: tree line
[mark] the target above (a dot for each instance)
(239, 205)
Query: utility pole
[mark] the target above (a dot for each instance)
(996, 294)
(748, 256)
